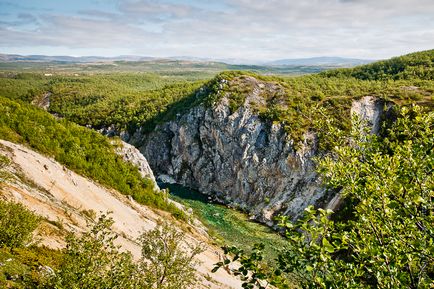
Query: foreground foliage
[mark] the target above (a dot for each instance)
(386, 237)
(165, 263)
(20, 260)
(91, 260)
(16, 225)
(94, 261)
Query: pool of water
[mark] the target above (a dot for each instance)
(227, 226)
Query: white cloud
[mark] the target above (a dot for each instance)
(251, 29)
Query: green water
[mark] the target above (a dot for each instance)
(227, 226)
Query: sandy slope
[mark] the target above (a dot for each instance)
(63, 197)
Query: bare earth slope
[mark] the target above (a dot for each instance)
(66, 200)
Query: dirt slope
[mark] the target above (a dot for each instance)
(67, 199)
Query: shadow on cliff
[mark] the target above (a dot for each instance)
(178, 108)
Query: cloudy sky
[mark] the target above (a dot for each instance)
(239, 29)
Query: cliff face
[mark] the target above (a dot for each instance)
(241, 160)
(132, 155)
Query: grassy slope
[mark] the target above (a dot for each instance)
(80, 149)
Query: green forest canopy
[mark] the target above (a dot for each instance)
(130, 100)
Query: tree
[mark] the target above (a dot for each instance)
(385, 239)
(93, 261)
(168, 261)
(17, 224)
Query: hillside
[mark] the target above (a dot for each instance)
(130, 101)
(277, 148)
(67, 202)
(418, 65)
(78, 148)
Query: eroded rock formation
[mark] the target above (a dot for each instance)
(240, 159)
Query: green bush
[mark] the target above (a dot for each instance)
(93, 261)
(16, 224)
(165, 264)
(388, 240)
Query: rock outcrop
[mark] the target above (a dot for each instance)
(370, 110)
(240, 159)
(132, 155)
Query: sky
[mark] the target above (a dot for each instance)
(226, 29)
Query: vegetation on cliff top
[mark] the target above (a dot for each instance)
(295, 101)
(129, 101)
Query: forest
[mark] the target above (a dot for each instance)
(132, 100)
(382, 237)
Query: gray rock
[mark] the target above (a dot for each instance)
(241, 160)
(132, 155)
(370, 109)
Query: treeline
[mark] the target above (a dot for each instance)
(123, 107)
(129, 101)
(418, 65)
(80, 149)
(125, 100)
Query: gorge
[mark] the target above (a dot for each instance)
(242, 160)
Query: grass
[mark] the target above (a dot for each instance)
(228, 226)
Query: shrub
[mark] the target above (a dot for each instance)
(93, 261)
(164, 263)
(16, 224)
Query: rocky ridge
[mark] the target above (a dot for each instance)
(242, 160)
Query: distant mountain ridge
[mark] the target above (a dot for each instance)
(313, 61)
(71, 59)
(324, 60)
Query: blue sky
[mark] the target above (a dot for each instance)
(237, 29)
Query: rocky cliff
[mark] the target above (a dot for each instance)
(132, 155)
(240, 159)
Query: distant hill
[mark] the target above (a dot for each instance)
(320, 61)
(315, 61)
(418, 65)
(70, 59)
